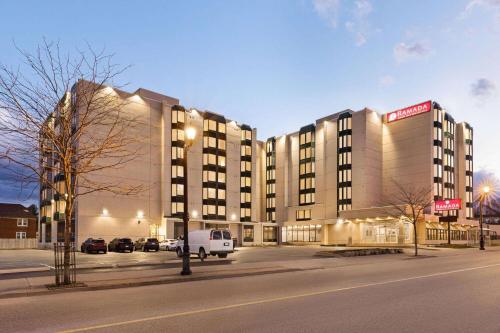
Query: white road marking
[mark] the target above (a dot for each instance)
(271, 300)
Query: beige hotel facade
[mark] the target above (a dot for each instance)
(328, 183)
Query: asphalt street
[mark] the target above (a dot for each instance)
(456, 292)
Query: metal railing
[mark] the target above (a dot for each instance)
(59, 265)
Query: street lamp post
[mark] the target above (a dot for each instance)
(189, 136)
(484, 193)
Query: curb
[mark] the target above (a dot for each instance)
(359, 252)
(24, 270)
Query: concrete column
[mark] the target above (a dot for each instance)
(42, 230)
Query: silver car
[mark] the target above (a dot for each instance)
(168, 245)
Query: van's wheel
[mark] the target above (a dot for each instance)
(222, 255)
(202, 254)
(179, 252)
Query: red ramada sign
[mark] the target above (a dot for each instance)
(409, 111)
(451, 204)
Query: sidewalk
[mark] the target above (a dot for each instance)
(34, 286)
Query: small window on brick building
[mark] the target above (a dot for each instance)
(21, 235)
(22, 223)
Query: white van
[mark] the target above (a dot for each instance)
(208, 242)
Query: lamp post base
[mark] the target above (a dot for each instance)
(186, 269)
(481, 244)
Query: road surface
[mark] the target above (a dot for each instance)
(451, 293)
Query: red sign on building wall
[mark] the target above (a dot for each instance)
(451, 204)
(409, 111)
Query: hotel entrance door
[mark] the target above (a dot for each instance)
(385, 234)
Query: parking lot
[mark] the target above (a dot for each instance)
(15, 259)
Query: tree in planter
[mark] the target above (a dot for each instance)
(411, 203)
(63, 125)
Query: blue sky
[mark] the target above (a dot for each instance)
(278, 65)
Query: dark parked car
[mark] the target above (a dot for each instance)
(147, 244)
(121, 245)
(94, 245)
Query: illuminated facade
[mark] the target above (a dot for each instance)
(328, 183)
(339, 176)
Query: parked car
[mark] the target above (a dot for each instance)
(147, 244)
(94, 245)
(168, 245)
(121, 245)
(208, 242)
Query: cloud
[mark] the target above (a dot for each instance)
(482, 88)
(404, 52)
(360, 26)
(357, 23)
(481, 3)
(386, 80)
(328, 10)
(490, 5)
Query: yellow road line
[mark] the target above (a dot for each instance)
(270, 300)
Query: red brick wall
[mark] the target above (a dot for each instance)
(8, 228)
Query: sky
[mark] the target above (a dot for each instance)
(278, 65)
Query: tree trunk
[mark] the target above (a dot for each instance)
(415, 239)
(67, 244)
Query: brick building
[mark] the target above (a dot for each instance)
(18, 226)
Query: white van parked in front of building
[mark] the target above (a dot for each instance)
(208, 242)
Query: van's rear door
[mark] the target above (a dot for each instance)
(228, 241)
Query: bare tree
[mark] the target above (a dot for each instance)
(411, 203)
(62, 125)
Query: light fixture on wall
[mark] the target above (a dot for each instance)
(233, 216)
(194, 213)
(140, 215)
(105, 212)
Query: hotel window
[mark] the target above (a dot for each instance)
(246, 173)
(307, 165)
(248, 232)
(344, 162)
(301, 233)
(177, 160)
(303, 215)
(444, 157)
(438, 152)
(468, 134)
(269, 234)
(449, 157)
(214, 167)
(271, 179)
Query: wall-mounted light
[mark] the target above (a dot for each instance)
(190, 133)
(140, 214)
(233, 216)
(194, 213)
(105, 212)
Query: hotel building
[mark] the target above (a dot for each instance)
(328, 183)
